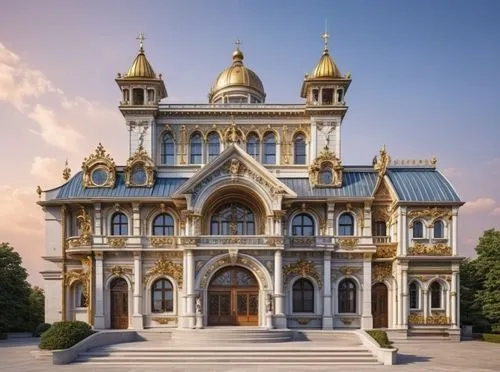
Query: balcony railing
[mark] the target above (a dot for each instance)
(381, 239)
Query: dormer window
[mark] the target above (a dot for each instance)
(326, 176)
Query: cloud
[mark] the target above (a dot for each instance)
(479, 206)
(496, 212)
(45, 168)
(452, 173)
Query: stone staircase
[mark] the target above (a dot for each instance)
(237, 347)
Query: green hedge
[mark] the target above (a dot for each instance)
(41, 328)
(492, 337)
(381, 338)
(62, 335)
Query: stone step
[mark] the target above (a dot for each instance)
(226, 352)
(231, 336)
(247, 363)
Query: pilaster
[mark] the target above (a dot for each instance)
(279, 316)
(137, 319)
(136, 219)
(99, 322)
(327, 291)
(366, 316)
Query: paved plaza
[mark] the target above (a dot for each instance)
(15, 355)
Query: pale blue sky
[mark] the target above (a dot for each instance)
(425, 76)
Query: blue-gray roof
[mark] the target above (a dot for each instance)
(411, 185)
(421, 185)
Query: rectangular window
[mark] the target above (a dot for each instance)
(195, 153)
(269, 153)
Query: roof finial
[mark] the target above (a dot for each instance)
(141, 41)
(237, 42)
(325, 37)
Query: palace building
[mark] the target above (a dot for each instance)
(237, 212)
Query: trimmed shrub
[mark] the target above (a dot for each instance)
(41, 328)
(62, 335)
(381, 338)
(491, 337)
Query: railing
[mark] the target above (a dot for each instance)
(218, 240)
(308, 241)
(381, 239)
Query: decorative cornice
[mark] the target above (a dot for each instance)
(302, 268)
(165, 267)
(439, 249)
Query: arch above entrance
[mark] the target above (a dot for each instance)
(224, 260)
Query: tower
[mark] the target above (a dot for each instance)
(142, 90)
(324, 90)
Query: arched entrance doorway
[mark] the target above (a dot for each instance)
(379, 306)
(119, 303)
(233, 297)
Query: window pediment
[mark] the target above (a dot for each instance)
(99, 169)
(139, 171)
(326, 171)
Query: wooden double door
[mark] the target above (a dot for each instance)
(119, 304)
(233, 298)
(379, 306)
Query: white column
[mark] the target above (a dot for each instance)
(366, 315)
(279, 316)
(403, 243)
(136, 220)
(454, 230)
(404, 297)
(367, 219)
(327, 291)
(394, 315)
(97, 219)
(330, 218)
(399, 312)
(190, 288)
(137, 322)
(425, 304)
(99, 322)
(454, 299)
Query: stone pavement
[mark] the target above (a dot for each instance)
(437, 357)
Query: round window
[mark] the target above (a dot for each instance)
(100, 176)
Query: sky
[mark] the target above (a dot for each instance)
(425, 82)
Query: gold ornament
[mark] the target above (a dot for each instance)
(380, 164)
(302, 268)
(140, 159)
(165, 267)
(326, 161)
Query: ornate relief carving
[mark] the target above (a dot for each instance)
(349, 270)
(385, 251)
(417, 318)
(139, 171)
(302, 321)
(120, 270)
(439, 249)
(381, 271)
(302, 268)
(164, 320)
(81, 275)
(165, 267)
(99, 169)
(431, 213)
(233, 134)
(347, 321)
(348, 243)
(241, 260)
(380, 164)
(162, 241)
(326, 162)
(117, 242)
(84, 224)
(381, 214)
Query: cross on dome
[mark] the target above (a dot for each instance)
(141, 38)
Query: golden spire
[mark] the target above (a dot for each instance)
(141, 38)
(66, 171)
(141, 68)
(237, 54)
(325, 37)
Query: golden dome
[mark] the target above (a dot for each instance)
(237, 75)
(141, 68)
(326, 67)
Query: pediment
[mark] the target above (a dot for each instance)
(234, 163)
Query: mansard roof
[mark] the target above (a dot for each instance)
(411, 185)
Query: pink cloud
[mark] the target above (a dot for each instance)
(480, 205)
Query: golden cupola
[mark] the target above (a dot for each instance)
(237, 83)
(325, 86)
(140, 86)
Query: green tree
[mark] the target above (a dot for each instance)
(488, 266)
(36, 307)
(14, 291)
(471, 283)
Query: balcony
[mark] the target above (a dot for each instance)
(248, 241)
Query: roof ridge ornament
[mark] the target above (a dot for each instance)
(380, 164)
(66, 171)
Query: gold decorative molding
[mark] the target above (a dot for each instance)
(303, 321)
(433, 319)
(380, 164)
(139, 162)
(165, 267)
(117, 242)
(381, 271)
(438, 249)
(83, 275)
(302, 268)
(84, 224)
(119, 270)
(233, 134)
(66, 171)
(385, 251)
(162, 241)
(99, 161)
(431, 213)
(349, 270)
(164, 320)
(416, 318)
(348, 243)
(326, 161)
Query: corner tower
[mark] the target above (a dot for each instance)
(142, 90)
(324, 90)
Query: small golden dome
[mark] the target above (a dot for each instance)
(141, 68)
(237, 75)
(326, 67)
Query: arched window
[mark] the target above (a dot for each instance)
(303, 296)
(438, 229)
(436, 300)
(119, 224)
(379, 228)
(346, 225)
(79, 295)
(233, 219)
(195, 149)
(299, 149)
(213, 146)
(162, 296)
(163, 224)
(253, 146)
(302, 225)
(414, 295)
(418, 230)
(347, 296)
(269, 149)
(168, 149)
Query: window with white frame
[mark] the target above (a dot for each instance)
(269, 149)
(418, 230)
(346, 224)
(436, 295)
(302, 225)
(168, 149)
(414, 290)
(438, 229)
(299, 149)
(195, 149)
(303, 296)
(253, 146)
(347, 296)
(119, 224)
(163, 224)
(213, 146)
(162, 296)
